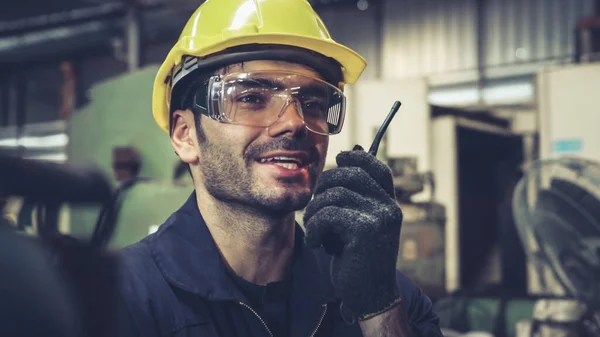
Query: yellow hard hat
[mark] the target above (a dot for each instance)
(218, 31)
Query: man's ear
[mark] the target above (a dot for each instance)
(183, 136)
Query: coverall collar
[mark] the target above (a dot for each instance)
(187, 256)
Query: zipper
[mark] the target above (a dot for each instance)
(258, 316)
(269, 331)
(320, 320)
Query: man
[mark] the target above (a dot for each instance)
(126, 163)
(249, 95)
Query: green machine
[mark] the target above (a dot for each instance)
(120, 115)
(145, 206)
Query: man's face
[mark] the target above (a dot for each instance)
(253, 167)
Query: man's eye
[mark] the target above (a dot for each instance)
(252, 99)
(314, 106)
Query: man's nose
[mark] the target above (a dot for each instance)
(290, 121)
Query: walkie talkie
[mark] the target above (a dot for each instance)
(331, 242)
(375, 145)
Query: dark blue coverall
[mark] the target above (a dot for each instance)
(174, 283)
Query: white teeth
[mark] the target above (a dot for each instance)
(285, 159)
(289, 166)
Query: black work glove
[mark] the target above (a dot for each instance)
(354, 215)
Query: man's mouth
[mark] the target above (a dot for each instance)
(290, 161)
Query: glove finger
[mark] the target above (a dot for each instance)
(343, 223)
(352, 178)
(336, 196)
(380, 172)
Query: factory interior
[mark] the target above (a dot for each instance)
(494, 151)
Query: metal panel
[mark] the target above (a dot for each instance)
(37, 141)
(563, 91)
(425, 37)
(434, 37)
(356, 29)
(531, 31)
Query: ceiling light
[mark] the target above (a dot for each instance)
(363, 5)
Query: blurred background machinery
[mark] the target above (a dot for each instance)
(488, 87)
(54, 284)
(422, 252)
(557, 210)
(117, 129)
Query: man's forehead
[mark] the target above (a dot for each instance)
(274, 66)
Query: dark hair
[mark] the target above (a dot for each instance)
(182, 97)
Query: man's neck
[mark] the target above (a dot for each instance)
(256, 247)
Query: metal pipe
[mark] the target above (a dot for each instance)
(51, 182)
(12, 93)
(379, 31)
(19, 26)
(4, 100)
(61, 40)
(133, 32)
(480, 24)
(22, 87)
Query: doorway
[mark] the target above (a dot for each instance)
(491, 254)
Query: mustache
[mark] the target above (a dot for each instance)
(286, 144)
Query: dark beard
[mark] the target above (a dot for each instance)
(231, 182)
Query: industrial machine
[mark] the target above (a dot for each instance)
(556, 207)
(568, 111)
(113, 127)
(55, 284)
(421, 256)
(145, 206)
(557, 210)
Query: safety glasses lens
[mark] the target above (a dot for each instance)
(260, 99)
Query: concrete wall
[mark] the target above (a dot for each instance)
(445, 169)
(409, 134)
(369, 102)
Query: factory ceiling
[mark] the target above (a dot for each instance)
(29, 29)
(26, 15)
(21, 15)
(17, 10)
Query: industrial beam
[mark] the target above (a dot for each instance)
(22, 89)
(133, 33)
(61, 19)
(42, 45)
(480, 33)
(4, 100)
(379, 36)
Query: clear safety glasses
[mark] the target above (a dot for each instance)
(261, 98)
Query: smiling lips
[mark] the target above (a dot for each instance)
(290, 161)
